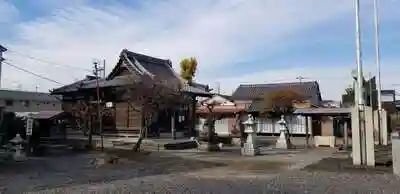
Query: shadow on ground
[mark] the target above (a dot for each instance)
(346, 165)
(74, 169)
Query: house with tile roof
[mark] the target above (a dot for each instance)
(139, 71)
(248, 98)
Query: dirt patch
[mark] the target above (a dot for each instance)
(167, 162)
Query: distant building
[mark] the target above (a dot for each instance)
(330, 104)
(388, 97)
(24, 101)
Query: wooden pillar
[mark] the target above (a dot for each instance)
(310, 129)
(307, 132)
(173, 131)
(193, 115)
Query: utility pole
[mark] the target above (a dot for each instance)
(300, 78)
(360, 101)
(378, 67)
(370, 90)
(2, 50)
(99, 115)
(218, 88)
(104, 68)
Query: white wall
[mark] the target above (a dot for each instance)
(296, 124)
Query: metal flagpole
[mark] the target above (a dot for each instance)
(378, 66)
(360, 80)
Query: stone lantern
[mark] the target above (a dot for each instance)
(283, 140)
(250, 148)
(17, 142)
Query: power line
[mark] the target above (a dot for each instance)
(47, 62)
(32, 73)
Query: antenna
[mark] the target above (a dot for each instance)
(2, 49)
(218, 88)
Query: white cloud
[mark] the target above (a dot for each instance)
(218, 33)
(7, 11)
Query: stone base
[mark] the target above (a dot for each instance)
(283, 145)
(205, 146)
(283, 142)
(250, 149)
(19, 156)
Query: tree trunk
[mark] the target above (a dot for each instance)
(90, 132)
(210, 126)
(138, 144)
(143, 131)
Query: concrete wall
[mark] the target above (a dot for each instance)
(31, 106)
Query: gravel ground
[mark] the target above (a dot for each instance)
(290, 182)
(190, 173)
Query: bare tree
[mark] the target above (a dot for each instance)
(149, 96)
(210, 123)
(281, 102)
(80, 110)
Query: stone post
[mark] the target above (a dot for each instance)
(396, 153)
(384, 128)
(369, 137)
(283, 141)
(250, 148)
(363, 152)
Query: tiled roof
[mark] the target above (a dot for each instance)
(195, 90)
(160, 68)
(2, 48)
(25, 95)
(117, 81)
(310, 90)
(202, 86)
(255, 106)
(142, 67)
(74, 86)
(326, 111)
(393, 92)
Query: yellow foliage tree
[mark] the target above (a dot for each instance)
(188, 68)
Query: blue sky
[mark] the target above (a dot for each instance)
(237, 41)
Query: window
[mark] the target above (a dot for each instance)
(387, 98)
(9, 102)
(25, 103)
